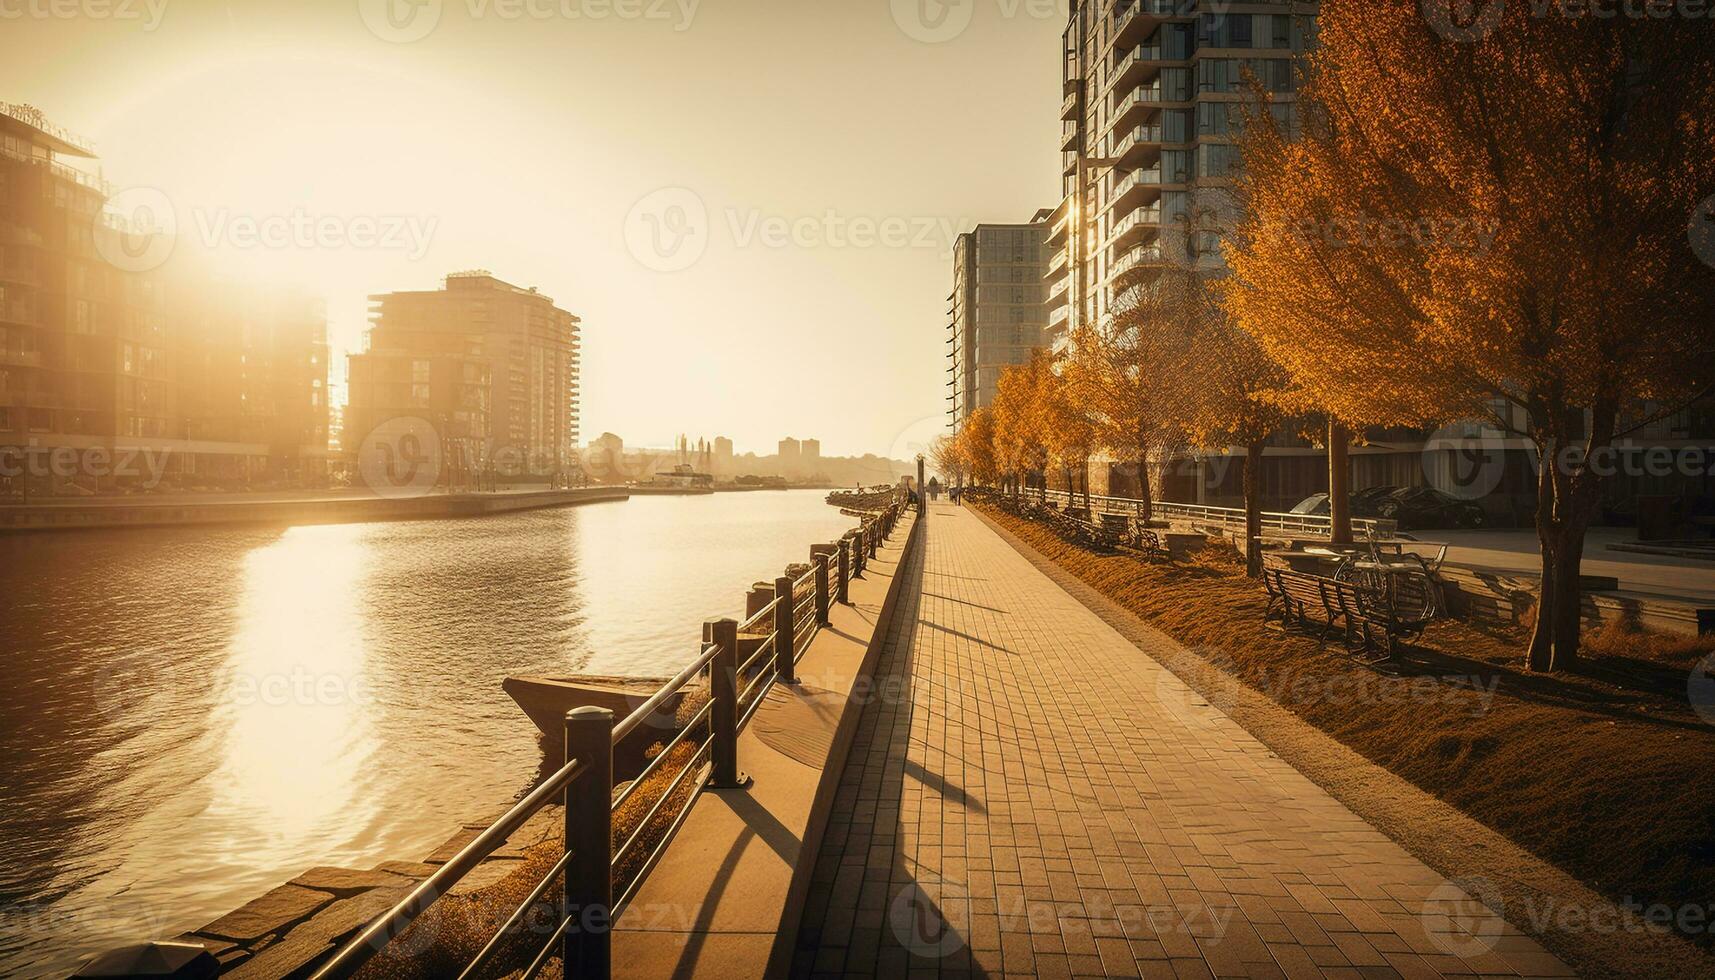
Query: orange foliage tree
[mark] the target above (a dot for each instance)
(1491, 226)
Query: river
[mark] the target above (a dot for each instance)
(195, 715)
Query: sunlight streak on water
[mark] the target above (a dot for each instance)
(196, 716)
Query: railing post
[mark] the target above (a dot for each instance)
(843, 591)
(821, 589)
(785, 631)
(858, 552)
(586, 948)
(723, 716)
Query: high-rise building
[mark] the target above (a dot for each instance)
(996, 314)
(83, 343)
(810, 450)
(251, 366)
(1154, 95)
(524, 347)
(101, 351)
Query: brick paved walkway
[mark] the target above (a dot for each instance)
(1030, 794)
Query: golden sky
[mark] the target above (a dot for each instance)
(749, 202)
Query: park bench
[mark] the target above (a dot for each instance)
(1368, 620)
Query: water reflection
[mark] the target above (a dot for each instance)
(194, 717)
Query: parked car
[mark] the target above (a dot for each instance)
(1425, 508)
(1365, 502)
(1414, 508)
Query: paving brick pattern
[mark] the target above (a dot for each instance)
(1031, 795)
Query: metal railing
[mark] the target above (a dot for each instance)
(1223, 517)
(590, 867)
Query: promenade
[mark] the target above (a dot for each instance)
(1043, 798)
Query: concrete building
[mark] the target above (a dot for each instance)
(83, 344)
(995, 314)
(523, 345)
(102, 355)
(810, 450)
(251, 366)
(791, 455)
(1153, 91)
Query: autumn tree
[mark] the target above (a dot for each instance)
(1130, 375)
(1064, 414)
(1491, 225)
(1020, 442)
(975, 443)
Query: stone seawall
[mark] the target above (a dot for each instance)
(328, 510)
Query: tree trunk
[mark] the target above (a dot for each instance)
(1339, 483)
(1567, 498)
(1087, 486)
(1253, 510)
(1146, 509)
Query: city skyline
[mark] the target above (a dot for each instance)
(269, 121)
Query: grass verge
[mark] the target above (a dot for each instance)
(1606, 773)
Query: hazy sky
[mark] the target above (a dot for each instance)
(749, 202)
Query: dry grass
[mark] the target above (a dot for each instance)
(1606, 773)
(454, 930)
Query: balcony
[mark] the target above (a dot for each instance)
(1069, 135)
(1134, 227)
(1138, 187)
(1058, 230)
(1132, 258)
(1140, 18)
(1059, 315)
(1069, 108)
(1133, 68)
(1137, 147)
(1058, 262)
(1058, 290)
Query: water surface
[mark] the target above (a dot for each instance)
(196, 715)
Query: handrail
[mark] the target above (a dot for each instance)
(667, 690)
(383, 930)
(1226, 516)
(726, 713)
